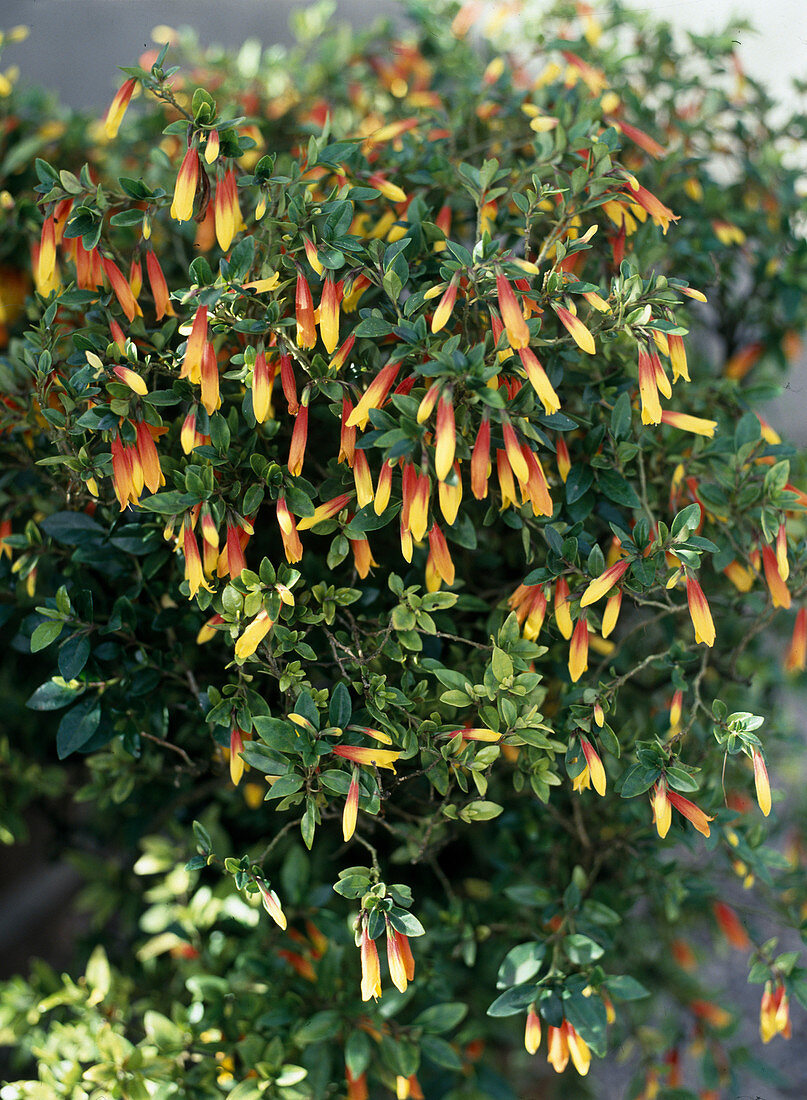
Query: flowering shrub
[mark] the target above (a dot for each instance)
(387, 509)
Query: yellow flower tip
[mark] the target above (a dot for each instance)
(662, 811)
(253, 636)
(595, 767)
(762, 783)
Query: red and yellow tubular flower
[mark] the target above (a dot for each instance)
(558, 1048)
(185, 187)
(194, 574)
(234, 552)
(576, 329)
(149, 459)
(532, 1031)
(362, 479)
(350, 812)
(383, 490)
(209, 396)
(603, 584)
(419, 507)
(774, 1013)
(678, 357)
(299, 438)
(595, 767)
(762, 782)
(253, 635)
(504, 472)
(117, 108)
(439, 553)
(324, 512)
(271, 903)
(46, 259)
(480, 461)
(370, 969)
(782, 563)
(378, 758)
(611, 613)
(518, 334)
(563, 618)
(690, 811)
(374, 396)
(192, 363)
(518, 462)
(446, 304)
(740, 576)
(796, 659)
(648, 389)
(537, 488)
(445, 437)
(773, 578)
(578, 650)
(563, 458)
(329, 314)
(400, 973)
(686, 423)
(304, 313)
(730, 926)
(700, 613)
(676, 707)
(132, 379)
(288, 383)
(662, 811)
(236, 762)
(135, 277)
(578, 1049)
(347, 436)
(450, 495)
(123, 472)
(292, 546)
(226, 213)
(159, 287)
(340, 358)
(212, 147)
(262, 379)
(362, 556)
(311, 254)
(121, 289)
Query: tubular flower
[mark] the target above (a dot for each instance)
(192, 363)
(395, 960)
(149, 459)
(558, 1052)
(662, 812)
(537, 488)
(329, 314)
(518, 334)
(350, 812)
(781, 552)
(227, 212)
(347, 436)
(292, 546)
(762, 783)
(774, 1014)
(159, 287)
(324, 512)
(370, 969)
(445, 437)
(209, 395)
(304, 314)
(604, 583)
(135, 277)
(427, 403)
(253, 635)
(563, 458)
(373, 396)
(678, 357)
(596, 770)
(262, 379)
(117, 108)
(773, 578)
(563, 618)
(288, 383)
(299, 438)
(740, 576)
(797, 653)
(185, 187)
(362, 479)
(446, 304)
(194, 574)
(480, 461)
(504, 472)
(700, 613)
(379, 758)
(362, 556)
(532, 1031)
(271, 903)
(234, 552)
(121, 288)
(123, 473)
(518, 463)
(691, 812)
(236, 762)
(686, 423)
(611, 613)
(131, 379)
(450, 495)
(382, 494)
(340, 358)
(730, 926)
(212, 147)
(675, 711)
(419, 507)
(578, 650)
(440, 555)
(576, 329)
(648, 389)
(578, 1049)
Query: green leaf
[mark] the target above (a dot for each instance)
(71, 527)
(45, 634)
(618, 489)
(582, 949)
(521, 963)
(77, 727)
(339, 707)
(52, 695)
(621, 417)
(623, 987)
(405, 922)
(73, 654)
(513, 1000)
(441, 1017)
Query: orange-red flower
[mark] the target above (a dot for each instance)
(373, 396)
(604, 583)
(576, 329)
(271, 903)
(797, 653)
(292, 546)
(304, 314)
(516, 327)
(253, 635)
(578, 650)
(480, 461)
(370, 969)
(730, 926)
(329, 314)
(299, 438)
(700, 613)
(762, 782)
(563, 618)
(532, 1031)
(117, 108)
(780, 594)
(595, 768)
(185, 187)
(350, 812)
(445, 437)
